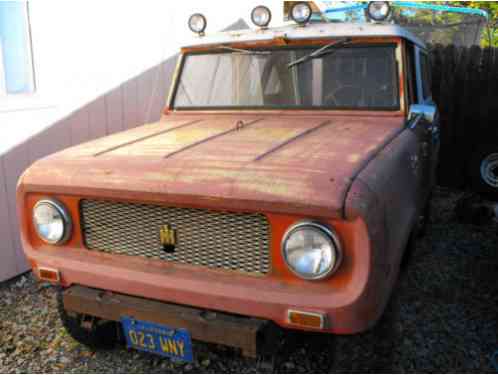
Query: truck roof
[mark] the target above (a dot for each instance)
(311, 31)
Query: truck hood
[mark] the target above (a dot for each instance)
(299, 164)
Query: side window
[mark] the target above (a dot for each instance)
(16, 68)
(426, 75)
(412, 74)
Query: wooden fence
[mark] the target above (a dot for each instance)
(465, 87)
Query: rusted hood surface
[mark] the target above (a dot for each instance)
(295, 164)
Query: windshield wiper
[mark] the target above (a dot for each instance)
(245, 51)
(320, 51)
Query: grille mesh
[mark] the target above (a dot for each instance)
(211, 239)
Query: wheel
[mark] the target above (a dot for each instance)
(483, 170)
(97, 335)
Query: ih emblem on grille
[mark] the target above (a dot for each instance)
(167, 236)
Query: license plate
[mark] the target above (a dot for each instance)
(158, 339)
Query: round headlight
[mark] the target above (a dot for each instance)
(261, 16)
(52, 222)
(311, 250)
(301, 13)
(197, 23)
(379, 10)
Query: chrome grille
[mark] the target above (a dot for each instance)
(232, 241)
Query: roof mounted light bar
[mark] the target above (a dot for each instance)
(261, 16)
(301, 13)
(379, 11)
(197, 23)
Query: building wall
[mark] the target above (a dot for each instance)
(121, 108)
(101, 67)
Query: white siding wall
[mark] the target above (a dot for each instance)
(117, 110)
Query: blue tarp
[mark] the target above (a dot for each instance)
(416, 5)
(434, 23)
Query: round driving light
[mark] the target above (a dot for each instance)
(52, 222)
(301, 13)
(311, 250)
(379, 10)
(261, 16)
(197, 23)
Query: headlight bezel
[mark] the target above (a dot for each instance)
(324, 229)
(66, 220)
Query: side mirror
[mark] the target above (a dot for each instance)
(427, 111)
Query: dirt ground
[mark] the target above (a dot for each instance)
(443, 317)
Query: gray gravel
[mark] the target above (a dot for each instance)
(443, 318)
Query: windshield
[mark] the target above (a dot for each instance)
(349, 77)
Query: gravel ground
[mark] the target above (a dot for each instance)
(443, 318)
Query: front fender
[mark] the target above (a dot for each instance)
(384, 195)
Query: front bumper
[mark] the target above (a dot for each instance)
(253, 336)
(347, 310)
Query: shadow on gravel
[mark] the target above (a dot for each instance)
(370, 352)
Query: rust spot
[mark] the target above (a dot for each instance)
(354, 158)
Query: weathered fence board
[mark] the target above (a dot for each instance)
(465, 87)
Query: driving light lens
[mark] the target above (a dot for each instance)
(197, 23)
(311, 250)
(301, 13)
(52, 222)
(379, 10)
(261, 16)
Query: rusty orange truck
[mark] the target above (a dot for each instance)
(289, 172)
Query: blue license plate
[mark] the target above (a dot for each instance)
(158, 339)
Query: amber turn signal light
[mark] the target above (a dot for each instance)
(49, 274)
(306, 319)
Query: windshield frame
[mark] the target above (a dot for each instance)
(394, 43)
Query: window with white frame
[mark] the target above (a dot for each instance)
(16, 66)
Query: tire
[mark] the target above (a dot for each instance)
(483, 170)
(103, 334)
